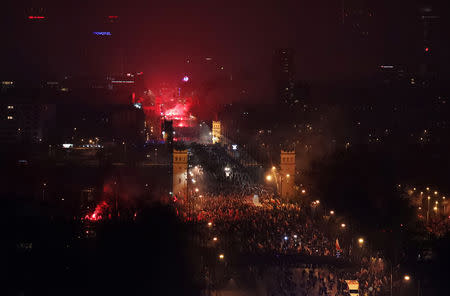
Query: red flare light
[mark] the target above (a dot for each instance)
(97, 214)
(36, 17)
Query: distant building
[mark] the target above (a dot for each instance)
(357, 18)
(167, 131)
(429, 21)
(22, 120)
(283, 75)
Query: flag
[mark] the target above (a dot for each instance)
(338, 247)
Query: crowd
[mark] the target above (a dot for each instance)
(270, 227)
(306, 281)
(245, 218)
(327, 280)
(236, 179)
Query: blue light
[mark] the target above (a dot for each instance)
(102, 33)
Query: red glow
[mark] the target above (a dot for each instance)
(113, 16)
(36, 17)
(169, 103)
(427, 49)
(97, 214)
(179, 113)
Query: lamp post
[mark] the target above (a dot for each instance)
(43, 190)
(279, 179)
(428, 209)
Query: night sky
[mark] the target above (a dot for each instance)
(158, 36)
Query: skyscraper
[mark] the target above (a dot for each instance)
(283, 75)
(357, 18)
(429, 21)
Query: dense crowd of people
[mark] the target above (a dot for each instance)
(268, 225)
(236, 179)
(246, 218)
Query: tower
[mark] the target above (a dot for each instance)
(179, 173)
(216, 132)
(287, 174)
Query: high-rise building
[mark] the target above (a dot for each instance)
(283, 75)
(357, 18)
(429, 22)
(23, 119)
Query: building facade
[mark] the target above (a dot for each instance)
(287, 174)
(179, 173)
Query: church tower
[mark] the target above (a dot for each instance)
(287, 174)
(216, 132)
(179, 173)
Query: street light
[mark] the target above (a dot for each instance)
(43, 190)
(406, 277)
(209, 224)
(269, 178)
(331, 212)
(215, 239)
(343, 225)
(221, 256)
(360, 240)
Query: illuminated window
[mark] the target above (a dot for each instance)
(10, 117)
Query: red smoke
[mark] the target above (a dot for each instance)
(98, 213)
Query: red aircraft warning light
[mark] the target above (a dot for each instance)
(36, 17)
(113, 18)
(427, 49)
